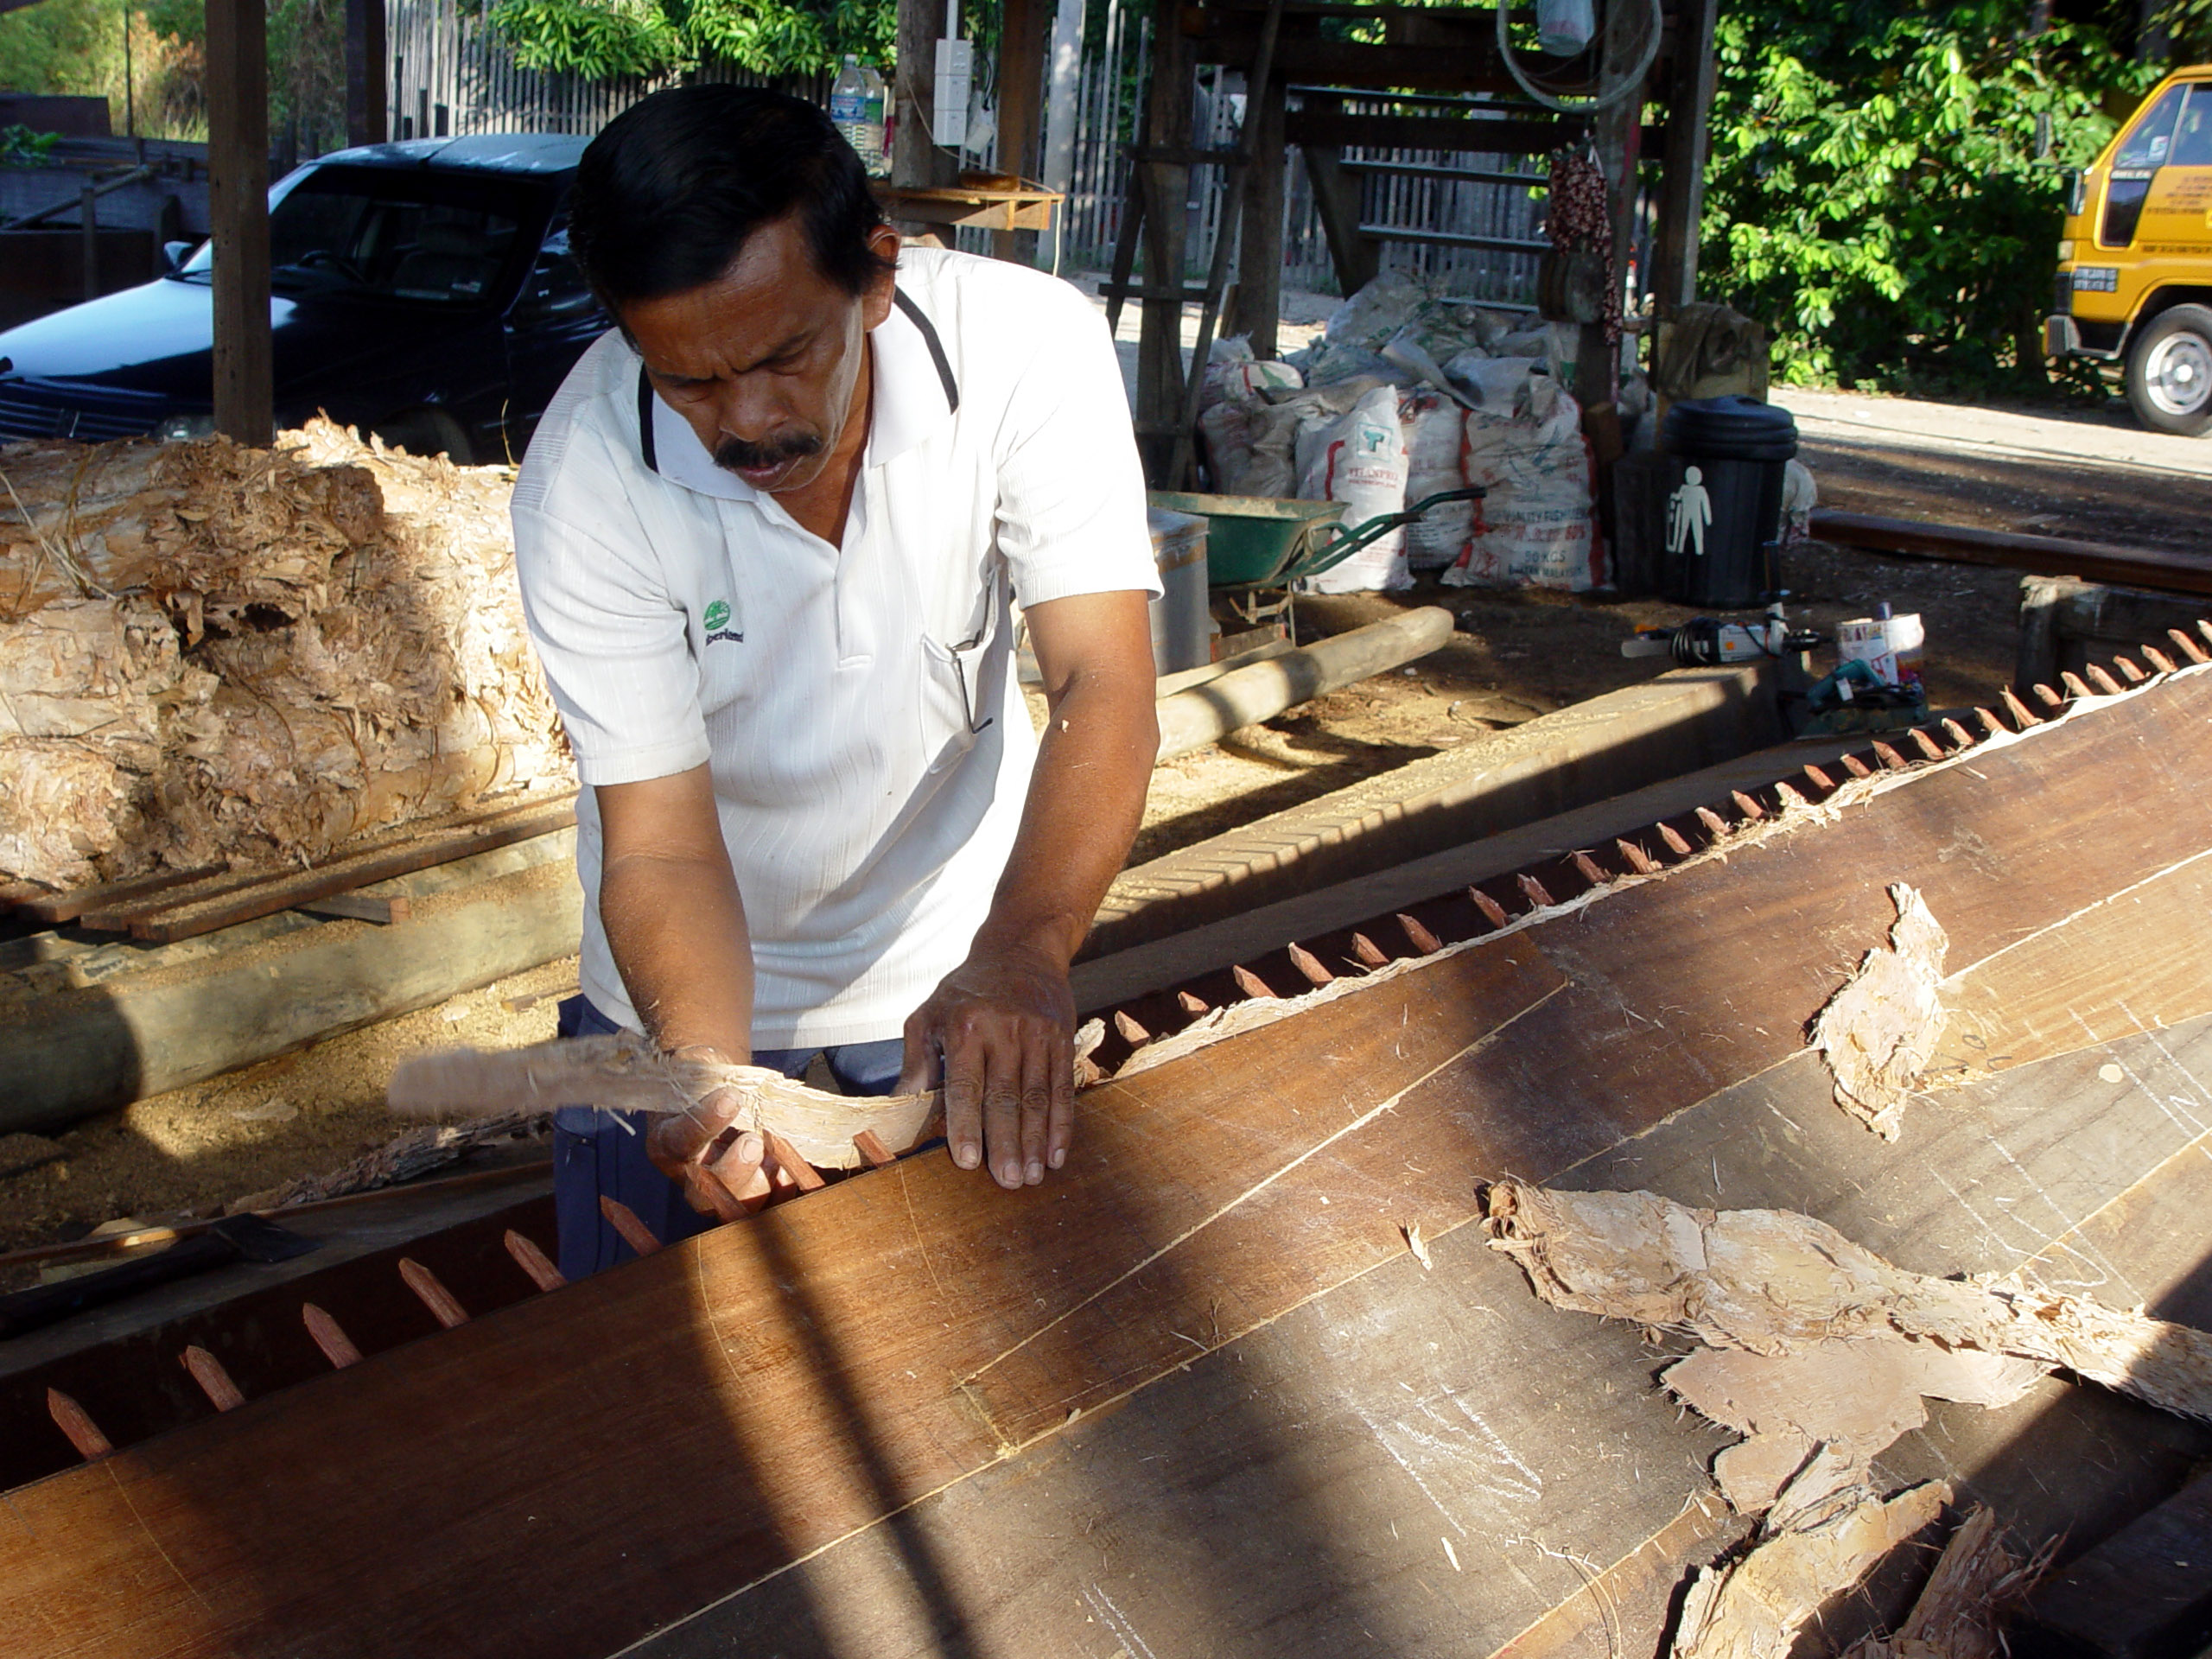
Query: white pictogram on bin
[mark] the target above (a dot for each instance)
(1689, 510)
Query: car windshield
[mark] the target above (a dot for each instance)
(383, 233)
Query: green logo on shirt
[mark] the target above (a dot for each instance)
(717, 614)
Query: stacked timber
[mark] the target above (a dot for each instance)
(210, 654)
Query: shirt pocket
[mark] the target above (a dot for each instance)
(950, 707)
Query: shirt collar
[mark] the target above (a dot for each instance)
(913, 391)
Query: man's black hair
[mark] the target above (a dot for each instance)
(668, 193)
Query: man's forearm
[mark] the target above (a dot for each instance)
(1086, 799)
(677, 930)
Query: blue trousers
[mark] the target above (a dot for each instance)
(597, 1153)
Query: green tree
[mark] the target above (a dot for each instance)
(602, 39)
(62, 46)
(1876, 196)
(307, 61)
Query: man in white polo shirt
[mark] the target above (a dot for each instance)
(769, 534)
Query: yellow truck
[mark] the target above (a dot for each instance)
(2135, 262)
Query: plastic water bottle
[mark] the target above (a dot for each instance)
(856, 111)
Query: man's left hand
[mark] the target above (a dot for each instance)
(1003, 1023)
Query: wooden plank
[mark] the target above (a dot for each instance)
(2050, 555)
(1259, 257)
(360, 907)
(47, 906)
(164, 921)
(2144, 1592)
(1691, 75)
(1676, 723)
(751, 1395)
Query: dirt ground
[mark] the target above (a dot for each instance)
(1512, 657)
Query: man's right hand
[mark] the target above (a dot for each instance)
(722, 1170)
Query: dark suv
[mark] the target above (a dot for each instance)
(422, 291)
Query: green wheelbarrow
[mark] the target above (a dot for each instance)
(1263, 541)
(1255, 544)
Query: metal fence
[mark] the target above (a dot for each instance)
(451, 73)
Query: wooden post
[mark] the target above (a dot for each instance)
(1259, 253)
(1337, 201)
(1021, 77)
(1166, 227)
(238, 213)
(368, 96)
(915, 161)
(1673, 283)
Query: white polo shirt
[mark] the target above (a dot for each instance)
(868, 743)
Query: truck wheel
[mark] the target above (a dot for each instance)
(2170, 371)
(434, 432)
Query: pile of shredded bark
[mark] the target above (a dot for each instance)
(210, 654)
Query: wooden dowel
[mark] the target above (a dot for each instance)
(1928, 746)
(2023, 717)
(1193, 1005)
(2133, 675)
(534, 1262)
(2188, 647)
(1855, 766)
(870, 1146)
(788, 1160)
(1538, 893)
(1677, 843)
(2102, 680)
(1638, 861)
(337, 1347)
(2160, 660)
(624, 1220)
(1248, 982)
(1133, 1034)
(1309, 964)
(73, 1421)
(1744, 804)
(215, 1381)
(1367, 952)
(433, 1295)
(2049, 698)
(1423, 942)
(2075, 684)
(1493, 913)
(1889, 757)
(1590, 870)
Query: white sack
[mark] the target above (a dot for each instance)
(1434, 430)
(1537, 528)
(1359, 459)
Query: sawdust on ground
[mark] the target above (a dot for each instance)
(1514, 656)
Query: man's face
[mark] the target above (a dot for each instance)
(765, 361)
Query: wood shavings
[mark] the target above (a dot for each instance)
(1878, 1032)
(1769, 1281)
(1959, 1611)
(1418, 1245)
(1851, 1397)
(1754, 1607)
(400, 1159)
(625, 1073)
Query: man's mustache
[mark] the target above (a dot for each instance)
(733, 454)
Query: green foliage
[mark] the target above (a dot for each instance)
(61, 45)
(604, 39)
(599, 39)
(307, 60)
(1874, 195)
(20, 146)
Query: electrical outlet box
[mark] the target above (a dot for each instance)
(955, 77)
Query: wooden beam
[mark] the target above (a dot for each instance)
(1336, 193)
(1167, 188)
(236, 80)
(2046, 555)
(915, 161)
(1022, 27)
(1688, 94)
(1259, 253)
(368, 93)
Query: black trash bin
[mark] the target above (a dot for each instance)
(1722, 503)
